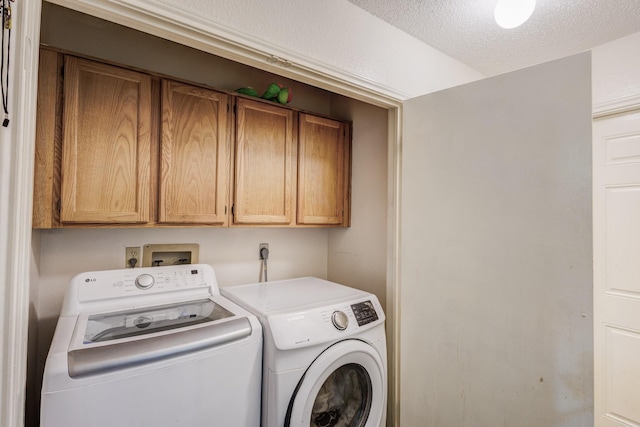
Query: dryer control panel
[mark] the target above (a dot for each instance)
(325, 324)
(364, 312)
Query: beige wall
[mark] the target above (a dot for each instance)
(357, 255)
(496, 258)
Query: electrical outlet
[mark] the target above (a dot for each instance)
(131, 253)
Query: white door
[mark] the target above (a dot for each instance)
(496, 266)
(344, 386)
(616, 234)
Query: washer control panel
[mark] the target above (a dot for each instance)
(100, 285)
(145, 281)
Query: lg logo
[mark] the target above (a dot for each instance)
(90, 279)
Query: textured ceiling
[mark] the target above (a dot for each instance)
(466, 30)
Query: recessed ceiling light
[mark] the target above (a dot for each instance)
(513, 13)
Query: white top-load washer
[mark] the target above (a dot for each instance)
(154, 346)
(325, 362)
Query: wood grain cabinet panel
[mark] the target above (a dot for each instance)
(323, 171)
(46, 188)
(120, 148)
(106, 144)
(265, 164)
(194, 171)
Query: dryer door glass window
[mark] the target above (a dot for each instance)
(345, 386)
(344, 400)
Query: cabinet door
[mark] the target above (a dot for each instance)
(46, 188)
(106, 144)
(323, 171)
(264, 164)
(194, 169)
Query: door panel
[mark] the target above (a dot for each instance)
(265, 164)
(616, 148)
(620, 371)
(106, 146)
(195, 155)
(321, 171)
(496, 251)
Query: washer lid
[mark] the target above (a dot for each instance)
(290, 295)
(105, 342)
(132, 323)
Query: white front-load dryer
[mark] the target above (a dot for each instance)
(324, 362)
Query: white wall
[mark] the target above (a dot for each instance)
(6, 155)
(87, 35)
(332, 36)
(616, 70)
(352, 40)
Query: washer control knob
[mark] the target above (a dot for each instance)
(340, 320)
(145, 281)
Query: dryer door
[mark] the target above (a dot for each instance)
(345, 386)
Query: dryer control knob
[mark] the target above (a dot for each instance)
(145, 281)
(340, 320)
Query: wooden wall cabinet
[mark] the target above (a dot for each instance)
(194, 170)
(98, 160)
(265, 164)
(291, 168)
(119, 147)
(323, 171)
(106, 145)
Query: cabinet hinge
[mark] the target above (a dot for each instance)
(233, 211)
(235, 111)
(59, 205)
